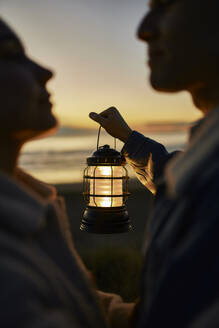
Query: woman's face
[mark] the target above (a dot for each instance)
(25, 109)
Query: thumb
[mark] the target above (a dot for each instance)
(97, 118)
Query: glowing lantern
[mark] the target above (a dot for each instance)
(105, 191)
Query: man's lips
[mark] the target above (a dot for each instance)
(153, 55)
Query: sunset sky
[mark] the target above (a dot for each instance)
(92, 47)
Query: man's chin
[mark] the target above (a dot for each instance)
(165, 84)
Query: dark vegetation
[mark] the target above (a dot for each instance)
(115, 260)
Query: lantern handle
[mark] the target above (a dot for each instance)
(98, 138)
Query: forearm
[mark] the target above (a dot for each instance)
(147, 157)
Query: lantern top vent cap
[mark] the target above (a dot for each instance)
(105, 155)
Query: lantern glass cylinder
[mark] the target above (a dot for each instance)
(108, 181)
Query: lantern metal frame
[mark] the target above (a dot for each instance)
(112, 219)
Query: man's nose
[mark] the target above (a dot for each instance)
(148, 28)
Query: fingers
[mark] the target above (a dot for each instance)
(103, 117)
(98, 118)
(109, 112)
(112, 121)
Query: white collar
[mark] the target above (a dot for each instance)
(21, 210)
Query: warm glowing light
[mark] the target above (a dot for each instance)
(106, 187)
(105, 170)
(106, 202)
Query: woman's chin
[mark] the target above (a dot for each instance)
(43, 134)
(34, 133)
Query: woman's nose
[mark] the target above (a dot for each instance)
(148, 28)
(41, 73)
(47, 74)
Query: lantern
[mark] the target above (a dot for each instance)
(105, 191)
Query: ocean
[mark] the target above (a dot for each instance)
(62, 159)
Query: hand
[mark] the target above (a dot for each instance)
(113, 122)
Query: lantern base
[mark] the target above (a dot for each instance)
(106, 220)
